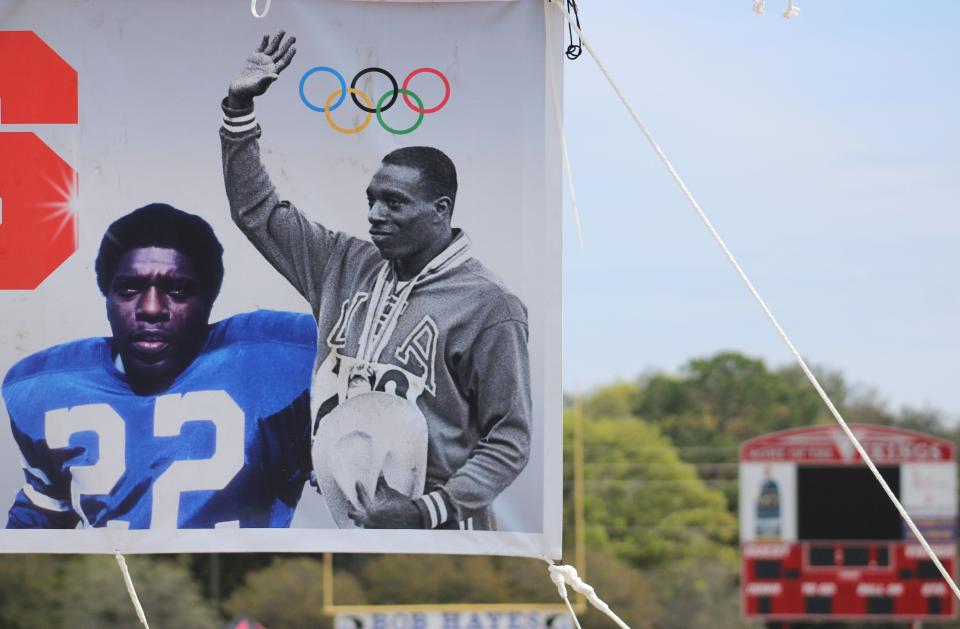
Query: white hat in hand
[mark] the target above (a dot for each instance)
(368, 435)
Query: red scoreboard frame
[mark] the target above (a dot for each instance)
(790, 575)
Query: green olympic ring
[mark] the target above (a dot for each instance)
(388, 127)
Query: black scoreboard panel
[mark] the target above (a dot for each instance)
(846, 503)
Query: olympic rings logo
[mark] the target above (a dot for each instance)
(385, 102)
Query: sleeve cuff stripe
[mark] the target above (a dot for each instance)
(441, 506)
(238, 129)
(431, 509)
(239, 119)
(44, 501)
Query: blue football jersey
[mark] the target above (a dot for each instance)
(227, 445)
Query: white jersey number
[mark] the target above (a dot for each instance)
(98, 477)
(171, 412)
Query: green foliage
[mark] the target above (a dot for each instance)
(642, 502)
(289, 593)
(715, 403)
(29, 591)
(232, 569)
(435, 579)
(629, 592)
(615, 400)
(727, 398)
(524, 580)
(88, 591)
(926, 420)
(697, 594)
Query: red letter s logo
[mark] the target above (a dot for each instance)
(37, 227)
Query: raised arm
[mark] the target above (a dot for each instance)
(297, 247)
(262, 68)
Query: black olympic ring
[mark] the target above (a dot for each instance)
(393, 82)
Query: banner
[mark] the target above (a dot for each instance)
(512, 619)
(268, 285)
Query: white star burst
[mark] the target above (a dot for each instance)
(64, 207)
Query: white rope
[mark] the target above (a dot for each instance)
(756, 295)
(132, 592)
(253, 9)
(563, 576)
(791, 11)
(573, 613)
(558, 115)
(569, 177)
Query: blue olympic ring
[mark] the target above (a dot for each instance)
(312, 71)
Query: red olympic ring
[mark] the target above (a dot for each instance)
(446, 87)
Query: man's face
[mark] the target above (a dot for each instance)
(405, 224)
(157, 315)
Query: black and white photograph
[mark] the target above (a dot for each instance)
(410, 314)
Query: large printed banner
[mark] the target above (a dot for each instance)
(289, 284)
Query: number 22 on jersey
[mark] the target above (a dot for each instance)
(171, 412)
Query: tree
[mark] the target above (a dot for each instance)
(630, 593)
(231, 571)
(614, 400)
(717, 402)
(29, 590)
(93, 594)
(642, 502)
(729, 397)
(289, 593)
(926, 420)
(701, 594)
(396, 579)
(806, 406)
(88, 591)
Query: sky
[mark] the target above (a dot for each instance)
(825, 151)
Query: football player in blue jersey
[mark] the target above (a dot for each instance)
(171, 422)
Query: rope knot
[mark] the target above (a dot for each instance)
(558, 575)
(562, 576)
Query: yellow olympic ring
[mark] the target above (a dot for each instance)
(363, 125)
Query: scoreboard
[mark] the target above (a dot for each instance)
(820, 539)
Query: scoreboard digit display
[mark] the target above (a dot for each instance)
(820, 539)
